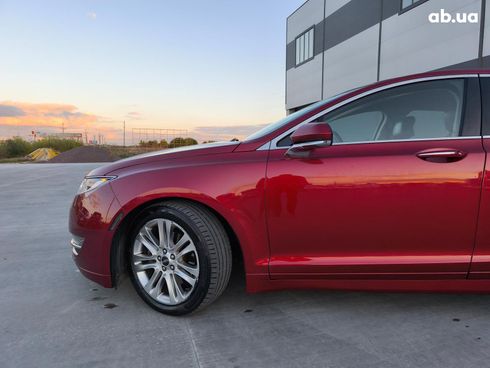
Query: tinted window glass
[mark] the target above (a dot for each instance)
(357, 127)
(407, 3)
(418, 111)
(279, 124)
(485, 90)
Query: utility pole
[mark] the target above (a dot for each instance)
(124, 133)
(63, 127)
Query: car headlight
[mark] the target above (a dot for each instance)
(92, 182)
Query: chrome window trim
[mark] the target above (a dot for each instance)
(272, 144)
(408, 140)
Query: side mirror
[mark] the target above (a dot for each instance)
(308, 137)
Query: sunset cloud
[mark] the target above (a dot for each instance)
(46, 115)
(21, 118)
(134, 115)
(10, 111)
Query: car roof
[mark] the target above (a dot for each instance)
(431, 74)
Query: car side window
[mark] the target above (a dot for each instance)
(357, 127)
(422, 110)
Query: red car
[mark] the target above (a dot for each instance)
(381, 188)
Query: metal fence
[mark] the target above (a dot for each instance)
(152, 134)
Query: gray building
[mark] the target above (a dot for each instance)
(336, 45)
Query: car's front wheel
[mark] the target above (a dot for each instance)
(180, 257)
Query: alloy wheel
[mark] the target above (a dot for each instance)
(165, 261)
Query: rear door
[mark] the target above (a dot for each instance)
(395, 196)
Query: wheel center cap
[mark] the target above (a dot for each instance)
(165, 261)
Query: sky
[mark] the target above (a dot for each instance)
(215, 68)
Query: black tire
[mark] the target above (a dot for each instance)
(213, 248)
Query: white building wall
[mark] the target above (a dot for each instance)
(408, 44)
(308, 14)
(351, 63)
(411, 44)
(303, 84)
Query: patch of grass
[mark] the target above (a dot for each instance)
(17, 147)
(60, 145)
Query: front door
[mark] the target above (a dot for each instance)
(395, 196)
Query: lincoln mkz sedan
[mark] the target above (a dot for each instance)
(384, 187)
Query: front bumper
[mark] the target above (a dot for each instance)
(91, 216)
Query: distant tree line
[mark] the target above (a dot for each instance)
(17, 147)
(176, 142)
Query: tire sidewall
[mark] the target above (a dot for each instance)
(201, 289)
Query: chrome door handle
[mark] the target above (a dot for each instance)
(441, 155)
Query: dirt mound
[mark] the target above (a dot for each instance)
(84, 154)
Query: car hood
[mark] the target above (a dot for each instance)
(181, 152)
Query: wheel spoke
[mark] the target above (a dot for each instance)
(153, 248)
(171, 288)
(145, 266)
(150, 236)
(161, 233)
(175, 294)
(194, 271)
(184, 243)
(150, 285)
(184, 276)
(143, 257)
(156, 291)
(168, 234)
(186, 249)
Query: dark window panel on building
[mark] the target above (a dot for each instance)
(305, 46)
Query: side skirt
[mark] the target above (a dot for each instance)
(261, 283)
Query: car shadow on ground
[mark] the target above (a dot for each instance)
(235, 299)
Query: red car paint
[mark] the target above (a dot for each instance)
(358, 217)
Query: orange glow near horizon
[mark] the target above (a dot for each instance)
(44, 114)
(20, 118)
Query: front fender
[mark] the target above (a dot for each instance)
(234, 189)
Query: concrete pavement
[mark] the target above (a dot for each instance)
(50, 316)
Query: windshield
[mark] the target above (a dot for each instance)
(286, 120)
